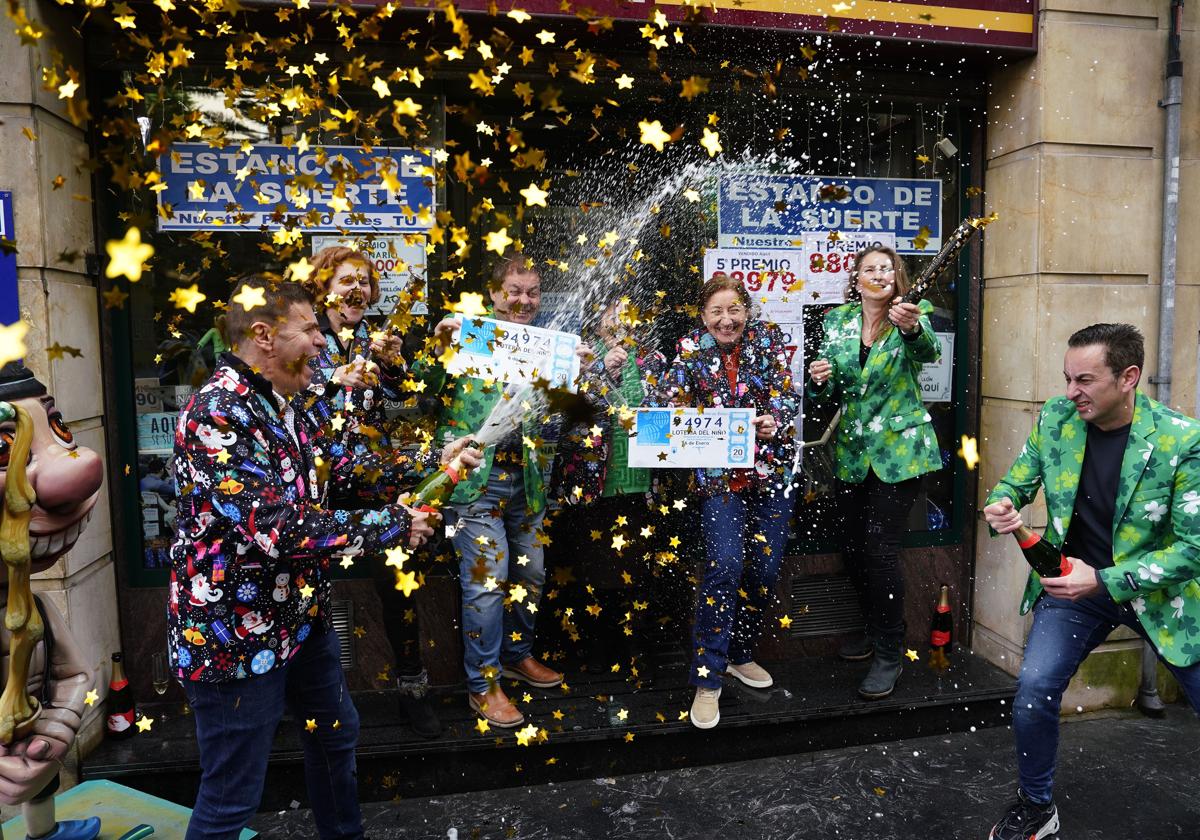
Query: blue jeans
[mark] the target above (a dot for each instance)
(1063, 634)
(728, 626)
(235, 726)
(509, 556)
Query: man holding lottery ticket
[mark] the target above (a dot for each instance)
(495, 515)
(735, 362)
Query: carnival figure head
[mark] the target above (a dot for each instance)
(65, 477)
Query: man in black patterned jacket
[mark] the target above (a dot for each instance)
(248, 628)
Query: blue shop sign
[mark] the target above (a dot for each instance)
(320, 189)
(764, 210)
(9, 309)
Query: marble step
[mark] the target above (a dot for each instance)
(600, 725)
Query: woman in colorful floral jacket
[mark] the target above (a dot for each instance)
(869, 360)
(736, 362)
(354, 374)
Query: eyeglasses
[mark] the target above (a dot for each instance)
(871, 269)
(732, 312)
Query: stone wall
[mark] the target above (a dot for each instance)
(54, 229)
(1075, 169)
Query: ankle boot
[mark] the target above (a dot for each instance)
(857, 649)
(416, 706)
(885, 670)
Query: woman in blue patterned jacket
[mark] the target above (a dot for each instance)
(734, 361)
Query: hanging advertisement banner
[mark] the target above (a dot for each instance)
(10, 311)
(399, 263)
(764, 210)
(829, 261)
(320, 189)
(774, 278)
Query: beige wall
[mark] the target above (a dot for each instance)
(1075, 169)
(60, 303)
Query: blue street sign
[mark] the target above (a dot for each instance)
(763, 210)
(10, 310)
(322, 188)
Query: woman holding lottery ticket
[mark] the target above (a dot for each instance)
(869, 360)
(734, 361)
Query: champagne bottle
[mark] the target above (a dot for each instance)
(941, 628)
(434, 490)
(941, 632)
(121, 711)
(1046, 560)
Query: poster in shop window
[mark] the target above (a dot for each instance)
(773, 278)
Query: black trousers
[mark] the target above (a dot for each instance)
(870, 519)
(399, 619)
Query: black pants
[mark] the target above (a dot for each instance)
(871, 518)
(399, 620)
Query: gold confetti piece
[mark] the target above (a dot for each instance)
(785, 621)
(91, 697)
(188, 298)
(534, 196)
(250, 297)
(127, 257)
(12, 341)
(653, 134)
(145, 723)
(911, 654)
(483, 726)
(969, 452)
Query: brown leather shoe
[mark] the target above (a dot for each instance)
(534, 673)
(496, 708)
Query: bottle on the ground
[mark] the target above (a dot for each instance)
(121, 711)
(941, 631)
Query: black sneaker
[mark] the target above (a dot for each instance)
(1026, 820)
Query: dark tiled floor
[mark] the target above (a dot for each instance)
(1121, 777)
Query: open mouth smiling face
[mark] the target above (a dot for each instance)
(65, 476)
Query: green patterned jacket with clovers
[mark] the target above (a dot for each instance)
(1156, 529)
(884, 424)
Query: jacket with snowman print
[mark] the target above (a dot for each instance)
(250, 561)
(699, 377)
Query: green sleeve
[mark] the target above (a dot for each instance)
(926, 347)
(1020, 484)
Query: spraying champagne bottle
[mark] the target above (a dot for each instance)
(434, 490)
(1046, 560)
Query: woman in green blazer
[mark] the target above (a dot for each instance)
(873, 349)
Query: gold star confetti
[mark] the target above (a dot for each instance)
(91, 697)
(969, 452)
(785, 621)
(188, 298)
(127, 257)
(144, 723)
(482, 726)
(12, 341)
(249, 297)
(498, 241)
(911, 654)
(406, 582)
(310, 725)
(653, 134)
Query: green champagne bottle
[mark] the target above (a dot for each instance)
(1046, 560)
(434, 490)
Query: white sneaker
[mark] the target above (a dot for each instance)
(706, 711)
(751, 674)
